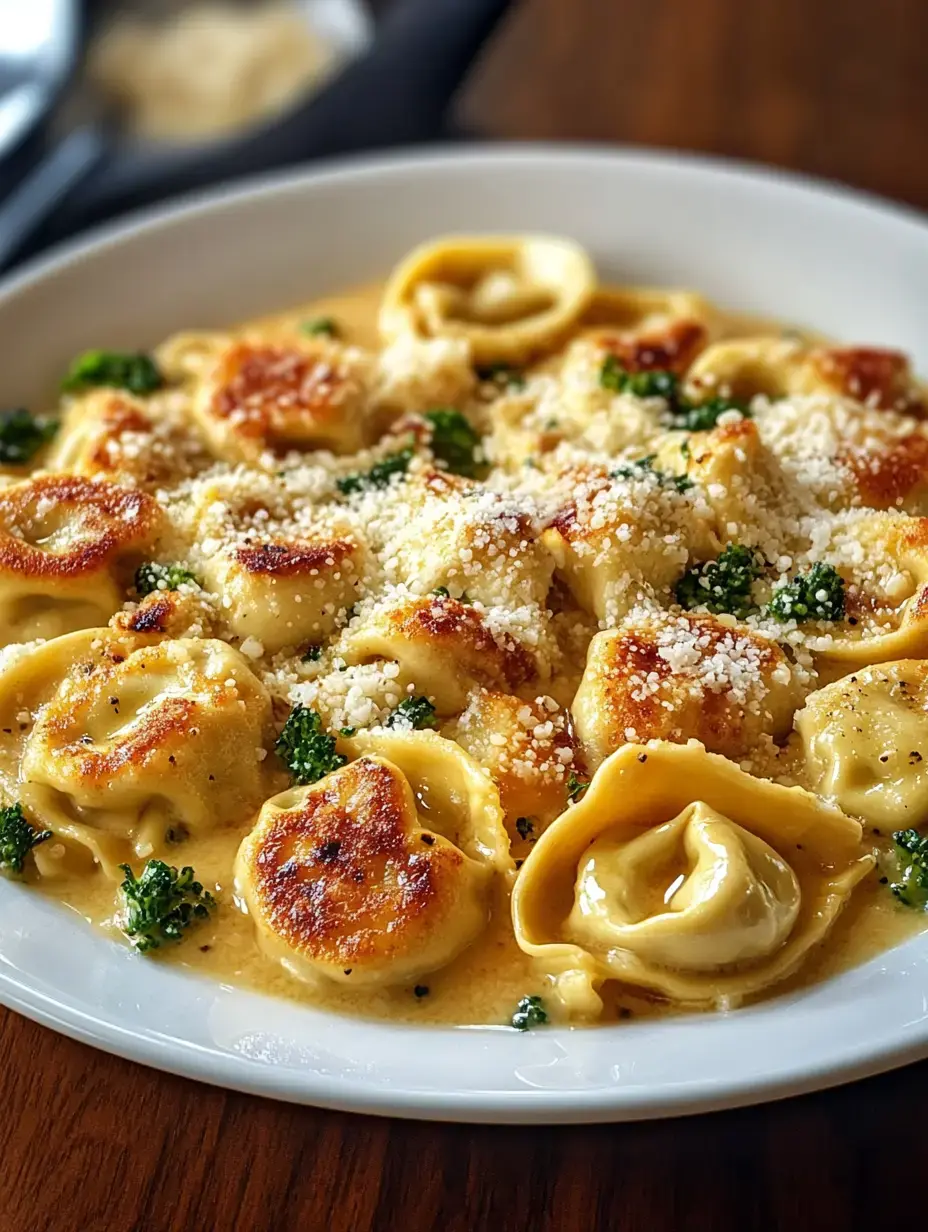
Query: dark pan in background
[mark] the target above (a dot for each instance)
(396, 94)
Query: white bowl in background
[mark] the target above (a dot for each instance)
(810, 253)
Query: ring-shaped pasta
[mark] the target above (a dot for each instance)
(510, 297)
(124, 744)
(679, 873)
(904, 542)
(60, 536)
(382, 871)
(865, 739)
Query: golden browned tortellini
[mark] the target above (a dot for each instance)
(509, 297)
(784, 366)
(683, 677)
(525, 745)
(625, 538)
(63, 540)
(285, 591)
(444, 649)
(108, 434)
(135, 744)
(865, 739)
(469, 541)
(679, 873)
(258, 398)
(382, 871)
(740, 478)
(884, 559)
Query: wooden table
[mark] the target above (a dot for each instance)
(88, 1142)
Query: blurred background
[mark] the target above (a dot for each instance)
(107, 105)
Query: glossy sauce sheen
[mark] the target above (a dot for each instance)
(483, 985)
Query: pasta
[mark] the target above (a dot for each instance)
(488, 639)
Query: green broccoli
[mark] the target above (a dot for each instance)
(530, 1012)
(320, 327)
(701, 416)
(645, 466)
(816, 595)
(312, 654)
(722, 585)
(911, 852)
(152, 576)
(415, 712)
(657, 383)
(453, 441)
(305, 749)
(378, 476)
(138, 373)
(161, 903)
(576, 787)
(17, 838)
(22, 435)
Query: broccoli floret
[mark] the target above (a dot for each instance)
(161, 904)
(645, 466)
(17, 838)
(453, 441)
(658, 383)
(576, 787)
(816, 595)
(415, 712)
(722, 585)
(700, 417)
(305, 749)
(22, 435)
(312, 654)
(530, 1012)
(378, 476)
(320, 327)
(151, 577)
(136, 372)
(911, 851)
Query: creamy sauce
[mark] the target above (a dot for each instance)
(484, 984)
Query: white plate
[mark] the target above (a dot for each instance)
(851, 266)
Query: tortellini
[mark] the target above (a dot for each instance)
(259, 398)
(683, 677)
(887, 603)
(284, 592)
(865, 739)
(525, 745)
(62, 539)
(109, 434)
(444, 649)
(138, 743)
(509, 297)
(626, 538)
(380, 873)
(681, 874)
(472, 543)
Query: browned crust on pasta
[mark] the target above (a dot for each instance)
(672, 348)
(280, 559)
(639, 691)
(112, 519)
(885, 476)
(349, 875)
(260, 389)
(876, 375)
(450, 624)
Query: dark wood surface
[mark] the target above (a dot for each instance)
(89, 1142)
